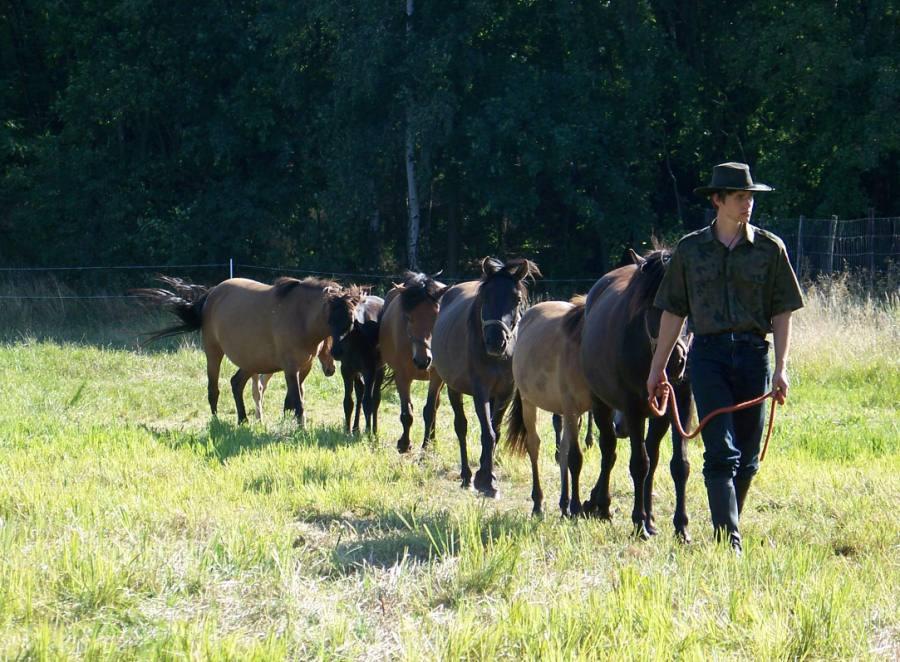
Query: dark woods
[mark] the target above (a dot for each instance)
(278, 132)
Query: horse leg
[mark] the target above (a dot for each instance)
(599, 501)
(460, 426)
(429, 414)
(679, 466)
(575, 461)
(376, 398)
(294, 399)
(565, 444)
(359, 389)
(347, 377)
(533, 445)
(557, 431)
(214, 356)
(656, 430)
(406, 418)
(589, 435)
(485, 481)
(238, 382)
(256, 392)
(638, 467)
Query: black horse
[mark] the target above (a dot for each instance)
(619, 336)
(472, 347)
(361, 366)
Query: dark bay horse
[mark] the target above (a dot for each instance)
(362, 368)
(260, 328)
(407, 321)
(547, 371)
(473, 342)
(619, 335)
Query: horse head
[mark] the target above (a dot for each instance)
(326, 360)
(420, 299)
(342, 304)
(502, 298)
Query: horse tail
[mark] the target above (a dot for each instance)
(186, 303)
(516, 434)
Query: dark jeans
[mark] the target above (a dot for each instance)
(725, 370)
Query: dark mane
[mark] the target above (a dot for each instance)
(645, 282)
(284, 285)
(505, 270)
(573, 321)
(417, 288)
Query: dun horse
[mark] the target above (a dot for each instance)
(261, 329)
(617, 342)
(407, 321)
(258, 383)
(473, 342)
(547, 370)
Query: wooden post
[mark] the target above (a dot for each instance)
(798, 256)
(871, 240)
(832, 231)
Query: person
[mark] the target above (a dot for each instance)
(734, 284)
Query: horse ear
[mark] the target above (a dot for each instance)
(523, 269)
(637, 259)
(436, 274)
(490, 266)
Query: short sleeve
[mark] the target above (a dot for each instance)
(672, 295)
(786, 295)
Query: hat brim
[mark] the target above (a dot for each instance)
(707, 190)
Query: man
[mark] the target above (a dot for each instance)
(734, 283)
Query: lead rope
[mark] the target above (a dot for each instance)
(659, 403)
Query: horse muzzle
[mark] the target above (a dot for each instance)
(498, 338)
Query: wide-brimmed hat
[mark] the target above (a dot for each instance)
(731, 176)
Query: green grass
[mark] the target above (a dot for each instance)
(132, 526)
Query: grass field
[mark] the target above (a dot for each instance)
(134, 526)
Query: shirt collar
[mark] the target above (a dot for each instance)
(748, 230)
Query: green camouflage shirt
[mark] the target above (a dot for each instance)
(721, 290)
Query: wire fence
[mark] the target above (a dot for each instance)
(868, 246)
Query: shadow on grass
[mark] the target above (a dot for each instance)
(223, 440)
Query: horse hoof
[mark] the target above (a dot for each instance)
(537, 511)
(403, 448)
(640, 532)
(683, 537)
(486, 487)
(575, 509)
(466, 484)
(648, 526)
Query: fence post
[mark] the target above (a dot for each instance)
(832, 231)
(798, 256)
(871, 238)
(231, 267)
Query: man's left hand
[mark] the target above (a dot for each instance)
(780, 386)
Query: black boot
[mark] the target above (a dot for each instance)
(724, 510)
(741, 486)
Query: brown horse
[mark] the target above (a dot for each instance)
(473, 342)
(619, 336)
(259, 382)
(261, 329)
(407, 320)
(547, 371)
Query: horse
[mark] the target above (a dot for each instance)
(260, 328)
(259, 382)
(619, 335)
(546, 367)
(406, 323)
(362, 368)
(472, 344)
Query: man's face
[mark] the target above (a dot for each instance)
(736, 206)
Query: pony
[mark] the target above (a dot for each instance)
(260, 328)
(405, 327)
(472, 344)
(259, 382)
(618, 339)
(362, 368)
(546, 367)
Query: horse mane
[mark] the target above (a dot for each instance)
(505, 269)
(417, 288)
(641, 290)
(573, 320)
(285, 284)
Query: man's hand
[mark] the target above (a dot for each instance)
(780, 386)
(654, 382)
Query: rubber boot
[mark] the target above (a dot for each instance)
(724, 510)
(741, 486)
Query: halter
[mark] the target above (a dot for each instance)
(654, 340)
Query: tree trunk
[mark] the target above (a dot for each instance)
(412, 237)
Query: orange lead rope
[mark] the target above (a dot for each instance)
(659, 403)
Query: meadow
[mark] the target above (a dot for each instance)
(135, 526)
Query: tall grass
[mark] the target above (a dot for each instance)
(134, 526)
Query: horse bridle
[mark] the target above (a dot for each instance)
(508, 332)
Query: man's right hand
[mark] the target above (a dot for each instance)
(654, 381)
